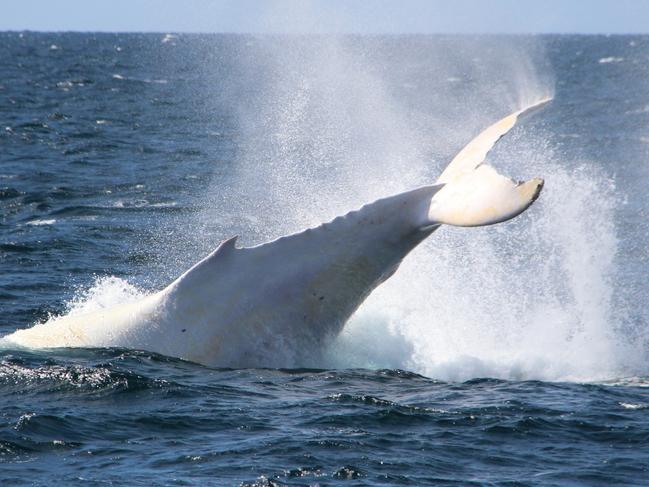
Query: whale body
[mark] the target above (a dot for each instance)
(279, 303)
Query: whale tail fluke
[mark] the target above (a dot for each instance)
(483, 197)
(474, 193)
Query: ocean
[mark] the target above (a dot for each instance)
(507, 355)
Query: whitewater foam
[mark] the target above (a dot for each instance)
(105, 292)
(50, 221)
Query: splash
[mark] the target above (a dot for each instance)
(529, 300)
(105, 292)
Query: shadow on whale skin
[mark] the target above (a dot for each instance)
(278, 304)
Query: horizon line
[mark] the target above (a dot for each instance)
(350, 33)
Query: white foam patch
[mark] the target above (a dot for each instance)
(633, 406)
(610, 59)
(106, 292)
(50, 221)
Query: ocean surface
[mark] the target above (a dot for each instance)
(516, 354)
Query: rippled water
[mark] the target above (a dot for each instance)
(107, 416)
(512, 355)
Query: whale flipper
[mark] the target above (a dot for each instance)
(277, 303)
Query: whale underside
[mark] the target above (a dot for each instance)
(288, 298)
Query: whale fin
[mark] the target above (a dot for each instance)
(474, 193)
(225, 248)
(194, 274)
(227, 245)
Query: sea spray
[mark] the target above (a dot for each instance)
(329, 123)
(105, 292)
(531, 300)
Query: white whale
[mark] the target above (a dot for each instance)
(276, 304)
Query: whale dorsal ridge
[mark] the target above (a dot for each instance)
(209, 264)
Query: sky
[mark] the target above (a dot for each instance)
(328, 16)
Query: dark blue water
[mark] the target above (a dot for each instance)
(510, 356)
